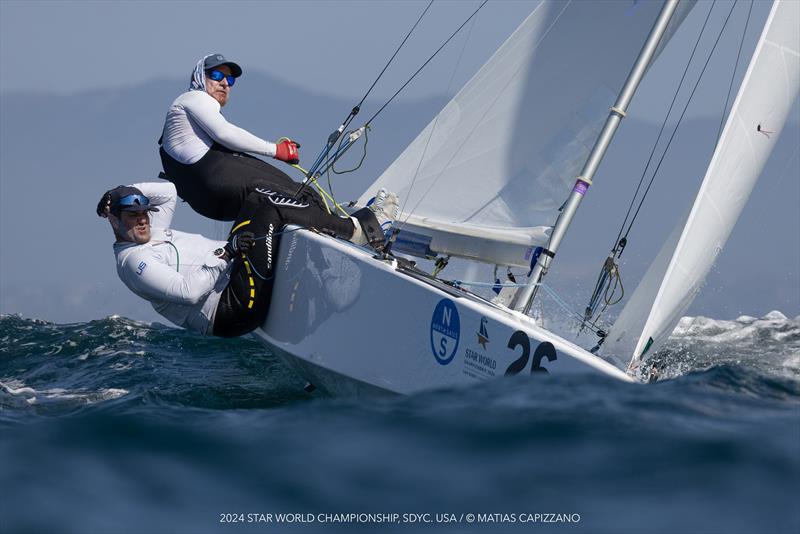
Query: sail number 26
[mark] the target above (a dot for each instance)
(544, 350)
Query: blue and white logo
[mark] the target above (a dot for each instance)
(445, 331)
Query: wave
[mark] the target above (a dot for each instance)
(96, 415)
(48, 368)
(770, 345)
(55, 369)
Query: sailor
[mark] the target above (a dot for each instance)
(208, 158)
(219, 288)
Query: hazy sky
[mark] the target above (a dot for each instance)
(332, 47)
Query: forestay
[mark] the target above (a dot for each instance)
(759, 112)
(497, 162)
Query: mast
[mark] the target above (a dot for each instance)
(768, 89)
(525, 296)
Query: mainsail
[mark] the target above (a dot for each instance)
(486, 177)
(759, 112)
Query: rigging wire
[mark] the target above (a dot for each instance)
(425, 64)
(680, 120)
(733, 74)
(433, 129)
(395, 54)
(663, 126)
(356, 109)
(550, 291)
(337, 134)
(324, 155)
(499, 94)
(344, 140)
(609, 278)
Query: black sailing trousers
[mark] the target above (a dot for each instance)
(217, 185)
(244, 304)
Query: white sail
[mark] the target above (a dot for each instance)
(501, 157)
(768, 90)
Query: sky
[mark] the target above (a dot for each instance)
(331, 49)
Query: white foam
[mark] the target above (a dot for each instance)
(793, 362)
(775, 315)
(31, 395)
(16, 387)
(745, 327)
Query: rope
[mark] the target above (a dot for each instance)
(606, 287)
(361, 161)
(323, 193)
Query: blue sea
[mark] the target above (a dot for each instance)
(121, 426)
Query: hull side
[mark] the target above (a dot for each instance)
(351, 323)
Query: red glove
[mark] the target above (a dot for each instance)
(286, 151)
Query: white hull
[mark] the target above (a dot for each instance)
(354, 324)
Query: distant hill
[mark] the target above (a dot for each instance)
(59, 153)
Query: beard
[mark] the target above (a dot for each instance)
(134, 234)
(140, 237)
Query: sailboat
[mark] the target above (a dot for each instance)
(495, 179)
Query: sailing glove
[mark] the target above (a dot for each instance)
(240, 243)
(287, 151)
(108, 198)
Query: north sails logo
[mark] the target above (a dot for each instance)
(445, 331)
(269, 246)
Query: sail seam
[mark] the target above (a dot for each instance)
(489, 108)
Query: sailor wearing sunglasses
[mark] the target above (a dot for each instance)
(209, 159)
(220, 288)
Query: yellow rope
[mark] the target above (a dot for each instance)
(325, 195)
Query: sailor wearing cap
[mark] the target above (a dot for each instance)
(209, 159)
(181, 274)
(220, 288)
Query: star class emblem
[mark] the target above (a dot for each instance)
(483, 334)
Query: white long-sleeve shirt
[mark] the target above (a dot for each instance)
(177, 272)
(194, 122)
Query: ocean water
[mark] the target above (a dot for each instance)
(120, 426)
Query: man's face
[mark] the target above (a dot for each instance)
(219, 90)
(134, 226)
